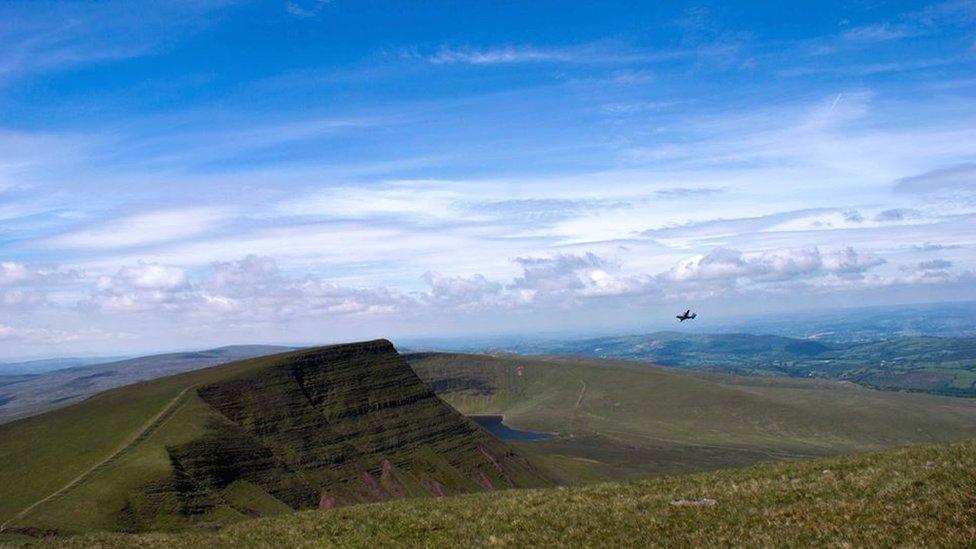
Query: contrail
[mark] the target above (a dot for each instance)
(836, 100)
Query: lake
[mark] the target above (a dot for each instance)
(496, 427)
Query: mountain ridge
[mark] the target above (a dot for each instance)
(314, 428)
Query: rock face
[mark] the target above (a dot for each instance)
(336, 426)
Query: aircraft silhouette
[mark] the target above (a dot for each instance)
(686, 316)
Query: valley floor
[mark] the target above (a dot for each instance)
(916, 496)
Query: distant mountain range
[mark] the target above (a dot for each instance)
(28, 394)
(862, 324)
(45, 365)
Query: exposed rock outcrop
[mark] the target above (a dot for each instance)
(336, 426)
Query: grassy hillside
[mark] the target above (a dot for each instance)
(347, 424)
(938, 365)
(315, 428)
(625, 419)
(920, 496)
(22, 396)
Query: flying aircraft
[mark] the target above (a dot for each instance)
(686, 315)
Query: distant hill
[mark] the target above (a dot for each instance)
(622, 420)
(861, 324)
(938, 365)
(24, 395)
(910, 497)
(315, 428)
(45, 365)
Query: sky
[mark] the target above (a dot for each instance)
(197, 173)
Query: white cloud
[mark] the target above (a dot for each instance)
(412, 200)
(67, 35)
(880, 32)
(935, 264)
(897, 214)
(934, 247)
(848, 262)
(147, 277)
(564, 278)
(143, 287)
(250, 272)
(458, 291)
(508, 54)
(25, 287)
(724, 264)
(248, 289)
(324, 296)
(306, 8)
(960, 178)
(556, 274)
(589, 53)
(142, 229)
(12, 272)
(54, 337)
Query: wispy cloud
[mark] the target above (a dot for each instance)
(951, 179)
(880, 32)
(306, 8)
(66, 35)
(934, 247)
(688, 192)
(597, 53)
(141, 229)
(507, 54)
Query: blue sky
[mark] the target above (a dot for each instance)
(198, 172)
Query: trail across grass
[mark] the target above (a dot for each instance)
(144, 431)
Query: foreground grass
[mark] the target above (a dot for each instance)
(918, 496)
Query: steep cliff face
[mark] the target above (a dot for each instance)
(336, 426)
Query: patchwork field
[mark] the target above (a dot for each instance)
(929, 364)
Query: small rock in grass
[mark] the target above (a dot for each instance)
(703, 502)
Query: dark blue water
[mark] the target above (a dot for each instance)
(495, 426)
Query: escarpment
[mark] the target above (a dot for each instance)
(336, 426)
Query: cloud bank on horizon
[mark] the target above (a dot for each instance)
(217, 171)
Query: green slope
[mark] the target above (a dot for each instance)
(626, 420)
(319, 427)
(919, 496)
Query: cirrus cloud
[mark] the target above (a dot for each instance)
(141, 229)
